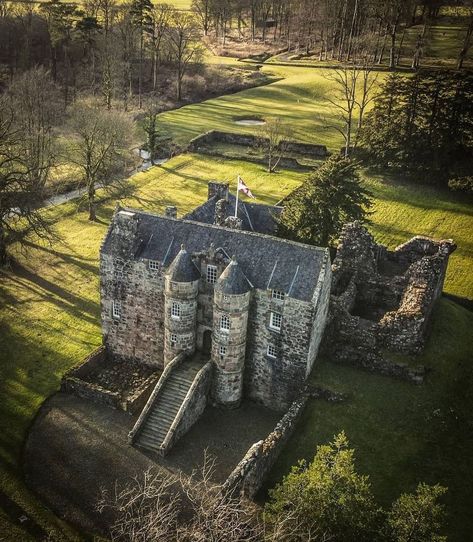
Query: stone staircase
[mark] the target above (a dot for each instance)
(166, 406)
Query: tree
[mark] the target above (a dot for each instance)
(35, 100)
(331, 196)
(150, 127)
(140, 11)
(467, 41)
(99, 148)
(417, 517)
(274, 136)
(327, 496)
(183, 39)
(160, 17)
(20, 189)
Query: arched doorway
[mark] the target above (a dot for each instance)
(207, 342)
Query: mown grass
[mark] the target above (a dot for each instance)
(403, 434)
(300, 98)
(50, 317)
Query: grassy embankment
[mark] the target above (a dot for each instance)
(49, 307)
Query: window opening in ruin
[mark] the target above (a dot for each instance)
(225, 323)
(211, 274)
(173, 339)
(275, 321)
(277, 294)
(117, 309)
(272, 351)
(176, 311)
(223, 350)
(154, 265)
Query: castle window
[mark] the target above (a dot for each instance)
(173, 339)
(224, 323)
(272, 351)
(275, 321)
(154, 265)
(175, 311)
(223, 350)
(277, 294)
(211, 274)
(116, 309)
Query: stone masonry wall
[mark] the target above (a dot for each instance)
(249, 475)
(276, 381)
(139, 333)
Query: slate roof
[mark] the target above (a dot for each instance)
(255, 216)
(268, 262)
(183, 268)
(233, 281)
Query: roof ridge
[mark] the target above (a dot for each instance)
(232, 230)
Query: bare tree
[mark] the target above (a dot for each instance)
(274, 138)
(184, 41)
(467, 41)
(160, 17)
(20, 189)
(100, 144)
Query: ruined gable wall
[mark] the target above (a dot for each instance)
(275, 382)
(139, 333)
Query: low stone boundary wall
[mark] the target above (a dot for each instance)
(248, 476)
(72, 381)
(215, 136)
(191, 409)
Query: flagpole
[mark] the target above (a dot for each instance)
(238, 191)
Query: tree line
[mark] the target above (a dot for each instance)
(340, 30)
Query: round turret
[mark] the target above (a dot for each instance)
(180, 306)
(231, 303)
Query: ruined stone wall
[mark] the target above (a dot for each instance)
(139, 332)
(249, 475)
(382, 300)
(276, 381)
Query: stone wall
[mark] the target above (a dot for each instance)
(72, 382)
(276, 381)
(192, 408)
(249, 475)
(292, 147)
(382, 300)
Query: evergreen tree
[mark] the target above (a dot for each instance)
(331, 196)
(417, 517)
(327, 499)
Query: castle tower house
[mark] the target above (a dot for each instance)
(231, 303)
(180, 303)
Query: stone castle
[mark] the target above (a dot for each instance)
(214, 308)
(219, 287)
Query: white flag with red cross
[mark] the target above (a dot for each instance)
(243, 188)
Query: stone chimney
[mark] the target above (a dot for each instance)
(220, 212)
(171, 211)
(218, 189)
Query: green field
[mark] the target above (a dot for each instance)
(299, 98)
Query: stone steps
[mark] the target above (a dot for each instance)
(166, 406)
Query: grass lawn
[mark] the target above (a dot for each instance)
(299, 98)
(404, 434)
(49, 321)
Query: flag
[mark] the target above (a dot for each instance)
(243, 188)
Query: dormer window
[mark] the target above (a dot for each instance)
(275, 321)
(153, 265)
(277, 294)
(211, 274)
(175, 311)
(116, 309)
(224, 323)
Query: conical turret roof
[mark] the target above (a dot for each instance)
(183, 269)
(233, 281)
